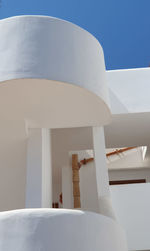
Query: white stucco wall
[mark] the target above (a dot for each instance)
(117, 107)
(132, 206)
(67, 188)
(12, 166)
(131, 87)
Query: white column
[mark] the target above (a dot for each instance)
(46, 169)
(102, 179)
(39, 169)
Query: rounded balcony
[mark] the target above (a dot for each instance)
(53, 229)
(52, 74)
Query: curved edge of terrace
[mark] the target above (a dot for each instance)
(84, 231)
(52, 73)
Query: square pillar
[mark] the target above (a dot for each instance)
(39, 169)
(102, 179)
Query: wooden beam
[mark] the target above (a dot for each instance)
(76, 180)
(117, 151)
(125, 182)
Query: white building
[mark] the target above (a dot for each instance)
(57, 104)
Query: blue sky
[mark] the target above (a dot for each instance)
(122, 27)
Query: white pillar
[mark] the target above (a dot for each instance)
(102, 179)
(39, 169)
(46, 169)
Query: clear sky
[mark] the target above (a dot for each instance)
(121, 26)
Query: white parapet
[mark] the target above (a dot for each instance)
(55, 230)
(53, 73)
(132, 206)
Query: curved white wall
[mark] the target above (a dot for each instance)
(46, 48)
(49, 230)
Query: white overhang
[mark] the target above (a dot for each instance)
(52, 74)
